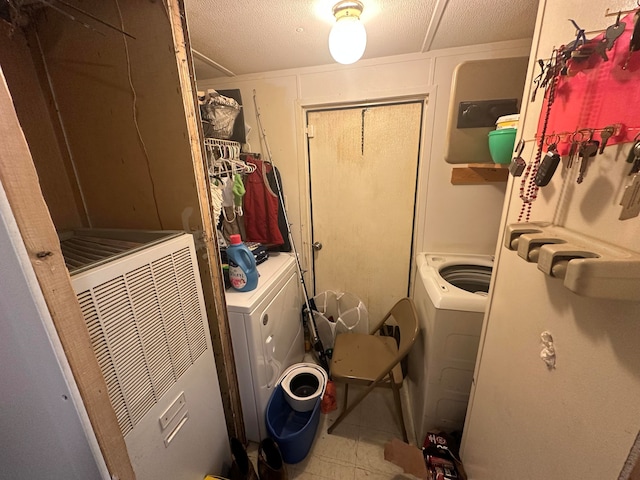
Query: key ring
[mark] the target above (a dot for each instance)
(552, 144)
(573, 136)
(583, 132)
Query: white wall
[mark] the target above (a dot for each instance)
(45, 431)
(579, 420)
(450, 218)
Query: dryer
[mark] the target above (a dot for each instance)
(450, 295)
(267, 336)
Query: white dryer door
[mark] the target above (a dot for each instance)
(282, 342)
(281, 332)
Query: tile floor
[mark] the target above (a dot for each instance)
(355, 450)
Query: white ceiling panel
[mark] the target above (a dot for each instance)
(474, 22)
(396, 27)
(251, 36)
(248, 36)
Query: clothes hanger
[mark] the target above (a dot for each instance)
(225, 158)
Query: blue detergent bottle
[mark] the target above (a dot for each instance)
(242, 265)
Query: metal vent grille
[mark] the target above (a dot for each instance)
(103, 355)
(151, 329)
(81, 251)
(190, 306)
(146, 329)
(169, 296)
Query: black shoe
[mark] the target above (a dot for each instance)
(241, 466)
(270, 463)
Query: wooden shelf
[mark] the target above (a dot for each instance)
(479, 173)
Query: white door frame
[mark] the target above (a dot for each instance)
(427, 96)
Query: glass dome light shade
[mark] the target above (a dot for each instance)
(347, 40)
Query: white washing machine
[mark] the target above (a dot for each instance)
(450, 295)
(267, 336)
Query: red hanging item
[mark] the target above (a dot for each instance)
(596, 93)
(261, 206)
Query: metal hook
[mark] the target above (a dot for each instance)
(580, 35)
(620, 13)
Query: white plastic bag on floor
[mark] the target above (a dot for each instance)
(338, 312)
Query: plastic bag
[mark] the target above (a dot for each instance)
(339, 313)
(218, 114)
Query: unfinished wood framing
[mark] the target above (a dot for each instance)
(216, 304)
(115, 142)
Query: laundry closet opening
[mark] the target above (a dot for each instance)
(363, 165)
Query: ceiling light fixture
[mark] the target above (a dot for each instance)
(348, 38)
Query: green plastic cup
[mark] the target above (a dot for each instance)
(501, 144)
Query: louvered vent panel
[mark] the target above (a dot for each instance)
(169, 297)
(123, 338)
(146, 328)
(101, 349)
(151, 328)
(190, 303)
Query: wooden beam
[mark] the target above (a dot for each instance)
(216, 309)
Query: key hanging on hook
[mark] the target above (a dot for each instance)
(517, 166)
(549, 163)
(587, 150)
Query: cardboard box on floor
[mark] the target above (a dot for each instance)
(412, 461)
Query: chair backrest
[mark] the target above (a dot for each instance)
(406, 317)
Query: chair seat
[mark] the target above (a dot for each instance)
(359, 358)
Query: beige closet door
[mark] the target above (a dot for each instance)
(363, 165)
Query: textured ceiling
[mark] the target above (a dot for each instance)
(466, 22)
(252, 36)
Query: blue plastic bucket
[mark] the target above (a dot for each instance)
(292, 431)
